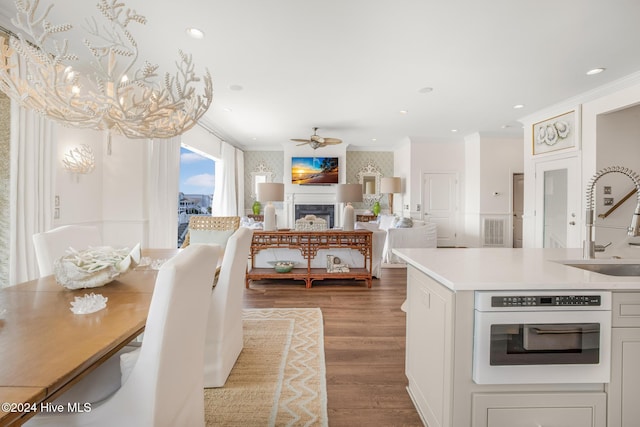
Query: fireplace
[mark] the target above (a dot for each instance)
(325, 212)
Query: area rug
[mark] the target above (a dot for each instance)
(279, 378)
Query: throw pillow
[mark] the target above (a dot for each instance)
(403, 223)
(217, 237)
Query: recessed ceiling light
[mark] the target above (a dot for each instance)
(425, 90)
(595, 71)
(374, 139)
(195, 33)
(454, 130)
(403, 111)
(227, 109)
(518, 106)
(236, 87)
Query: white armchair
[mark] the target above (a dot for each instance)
(409, 234)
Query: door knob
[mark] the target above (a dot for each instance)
(572, 223)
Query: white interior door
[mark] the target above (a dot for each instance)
(439, 195)
(518, 208)
(558, 203)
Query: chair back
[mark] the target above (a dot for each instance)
(207, 223)
(226, 297)
(53, 244)
(224, 338)
(166, 383)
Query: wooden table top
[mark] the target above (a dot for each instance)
(45, 348)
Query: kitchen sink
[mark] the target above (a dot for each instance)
(611, 268)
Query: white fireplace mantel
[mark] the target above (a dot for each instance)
(293, 199)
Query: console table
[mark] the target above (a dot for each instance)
(309, 243)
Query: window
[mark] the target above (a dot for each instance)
(197, 185)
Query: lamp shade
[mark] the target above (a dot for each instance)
(349, 193)
(270, 192)
(391, 184)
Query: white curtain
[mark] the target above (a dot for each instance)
(240, 181)
(164, 171)
(32, 184)
(226, 196)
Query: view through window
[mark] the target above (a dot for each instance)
(197, 184)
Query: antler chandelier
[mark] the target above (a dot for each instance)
(38, 73)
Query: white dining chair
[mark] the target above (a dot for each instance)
(224, 338)
(53, 244)
(165, 386)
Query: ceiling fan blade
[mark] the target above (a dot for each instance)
(332, 141)
(317, 138)
(304, 143)
(301, 140)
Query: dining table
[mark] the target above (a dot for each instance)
(45, 348)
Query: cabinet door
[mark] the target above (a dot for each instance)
(624, 388)
(429, 344)
(539, 409)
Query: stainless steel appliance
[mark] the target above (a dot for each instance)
(527, 337)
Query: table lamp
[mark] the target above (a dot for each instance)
(269, 192)
(390, 185)
(348, 193)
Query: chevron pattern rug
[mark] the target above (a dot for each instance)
(279, 378)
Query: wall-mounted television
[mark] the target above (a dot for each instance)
(314, 170)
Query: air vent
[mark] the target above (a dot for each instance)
(493, 232)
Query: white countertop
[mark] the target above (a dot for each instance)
(512, 269)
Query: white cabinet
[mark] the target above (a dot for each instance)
(429, 348)
(539, 409)
(624, 388)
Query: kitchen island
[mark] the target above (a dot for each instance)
(442, 285)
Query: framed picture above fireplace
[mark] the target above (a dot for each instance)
(314, 170)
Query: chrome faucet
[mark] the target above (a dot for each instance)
(634, 228)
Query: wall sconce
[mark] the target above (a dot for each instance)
(80, 160)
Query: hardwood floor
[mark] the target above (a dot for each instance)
(364, 343)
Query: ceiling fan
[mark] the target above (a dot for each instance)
(316, 141)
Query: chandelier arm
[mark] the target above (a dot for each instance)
(139, 106)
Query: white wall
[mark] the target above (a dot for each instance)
(402, 158)
(489, 166)
(80, 196)
(113, 196)
(124, 191)
(473, 174)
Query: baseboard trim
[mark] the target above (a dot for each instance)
(385, 265)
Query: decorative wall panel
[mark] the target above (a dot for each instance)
(274, 160)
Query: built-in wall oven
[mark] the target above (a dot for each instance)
(528, 337)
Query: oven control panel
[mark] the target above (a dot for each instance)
(546, 300)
